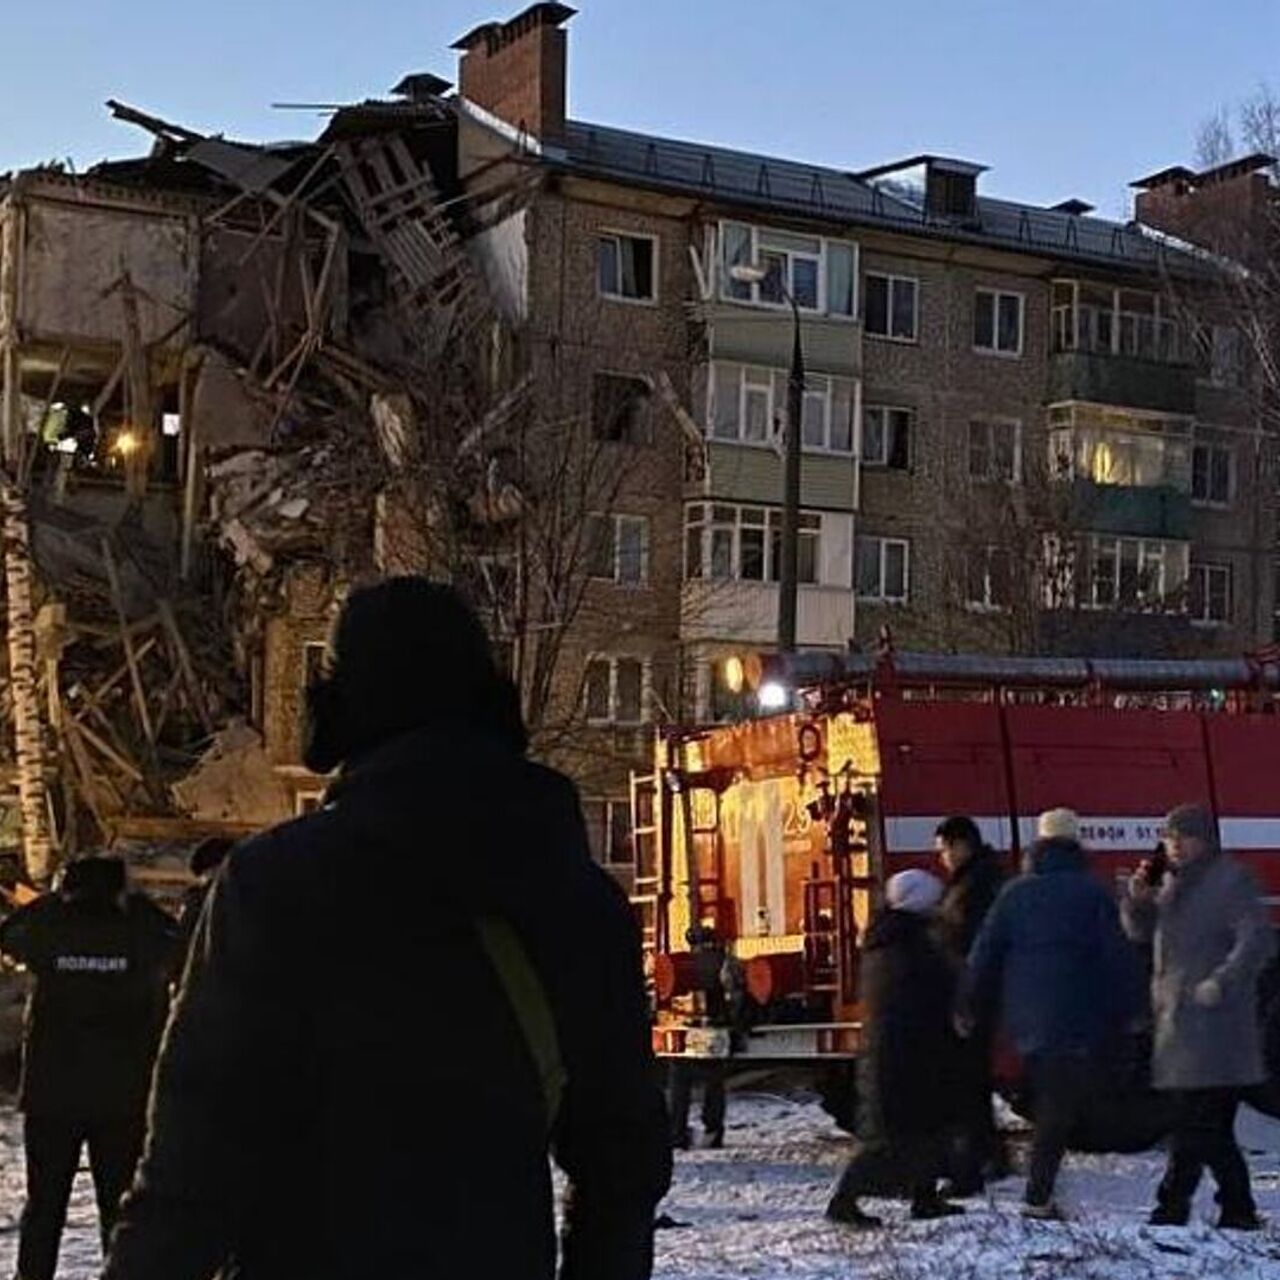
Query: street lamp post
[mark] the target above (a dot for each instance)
(788, 570)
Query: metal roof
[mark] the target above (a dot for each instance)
(832, 195)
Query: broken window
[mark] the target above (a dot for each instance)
(988, 578)
(886, 436)
(625, 267)
(890, 308)
(621, 409)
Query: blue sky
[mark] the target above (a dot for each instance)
(1060, 97)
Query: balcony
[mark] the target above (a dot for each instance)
(747, 613)
(1150, 511)
(763, 336)
(1121, 380)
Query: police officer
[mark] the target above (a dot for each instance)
(101, 960)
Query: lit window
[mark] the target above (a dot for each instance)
(625, 267)
(997, 322)
(891, 305)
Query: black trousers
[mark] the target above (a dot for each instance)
(909, 1164)
(1063, 1088)
(684, 1075)
(53, 1144)
(976, 1142)
(1204, 1135)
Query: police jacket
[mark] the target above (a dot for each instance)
(98, 1002)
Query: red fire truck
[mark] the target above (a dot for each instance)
(779, 831)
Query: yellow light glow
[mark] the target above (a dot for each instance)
(126, 444)
(735, 674)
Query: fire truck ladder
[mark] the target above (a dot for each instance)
(704, 853)
(650, 838)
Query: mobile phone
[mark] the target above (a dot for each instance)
(1156, 867)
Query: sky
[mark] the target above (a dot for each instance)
(1061, 98)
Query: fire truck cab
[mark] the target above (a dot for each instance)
(779, 832)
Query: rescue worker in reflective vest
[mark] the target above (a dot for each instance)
(101, 959)
(718, 997)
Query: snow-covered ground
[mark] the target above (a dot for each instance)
(755, 1210)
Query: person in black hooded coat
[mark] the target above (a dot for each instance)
(349, 1087)
(906, 1068)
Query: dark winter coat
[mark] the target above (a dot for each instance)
(1206, 922)
(344, 1090)
(1053, 959)
(909, 1050)
(970, 894)
(97, 1004)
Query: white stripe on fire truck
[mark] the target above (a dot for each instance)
(1117, 834)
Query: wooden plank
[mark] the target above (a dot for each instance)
(108, 752)
(186, 667)
(131, 657)
(145, 827)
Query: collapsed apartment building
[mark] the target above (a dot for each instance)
(238, 379)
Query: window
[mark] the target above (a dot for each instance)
(880, 568)
(1221, 354)
(891, 306)
(997, 322)
(609, 831)
(988, 582)
(1212, 466)
(818, 273)
(615, 690)
(625, 267)
(313, 662)
(1209, 594)
(1111, 321)
(748, 405)
(722, 703)
(305, 802)
(995, 451)
(729, 543)
(621, 409)
(886, 436)
(618, 548)
(1121, 447)
(1128, 573)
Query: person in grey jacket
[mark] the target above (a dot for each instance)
(1211, 941)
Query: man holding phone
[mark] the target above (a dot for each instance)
(1211, 940)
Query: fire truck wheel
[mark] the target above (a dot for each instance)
(838, 1090)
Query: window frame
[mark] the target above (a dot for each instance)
(616, 519)
(995, 349)
(1212, 447)
(1159, 551)
(613, 661)
(891, 279)
(883, 464)
(605, 808)
(885, 542)
(1203, 618)
(759, 378)
(706, 524)
(988, 604)
(991, 424)
(618, 235)
(760, 243)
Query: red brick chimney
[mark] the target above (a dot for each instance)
(517, 70)
(1228, 208)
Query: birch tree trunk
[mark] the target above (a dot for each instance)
(37, 844)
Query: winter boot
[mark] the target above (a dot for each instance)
(682, 1140)
(1169, 1215)
(1239, 1220)
(929, 1208)
(1047, 1212)
(845, 1211)
(715, 1139)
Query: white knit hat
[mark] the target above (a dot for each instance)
(1059, 824)
(913, 890)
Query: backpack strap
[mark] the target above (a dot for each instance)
(528, 1000)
